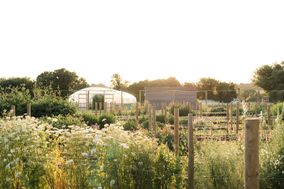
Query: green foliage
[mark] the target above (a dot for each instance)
(272, 164)
(61, 121)
(17, 82)
(36, 155)
(61, 81)
(161, 118)
(106, 119)
(145, 124)
(89, 118)
(19, 97)
(52, 106)
(136, 87)
(271, 79)
(117, 82)
(98, 99)
(184, 110)
(216, 90)
(130, 125)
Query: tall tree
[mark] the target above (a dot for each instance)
(118, 83)
(271, 79)
(62, 81)
(135, 88)
(17, 82)
(216, 90)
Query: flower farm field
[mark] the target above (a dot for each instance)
(35, 154)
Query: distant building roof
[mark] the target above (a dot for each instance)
(159, 96)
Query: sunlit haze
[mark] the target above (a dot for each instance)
(148, 39)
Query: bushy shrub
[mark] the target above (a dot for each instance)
(19, 97)
(130, 125)
(61, 121)
(106, 119)
(52, 106)
(278, 109)
(89, 118)
(142, 119)
(161, 118)
(218, 109)
(145, 124)
(184, 110)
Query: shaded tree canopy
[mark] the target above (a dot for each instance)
(118, 83)
(271, 79)
(216, 90)
(17, 82)
(62, 81)
(138, 86)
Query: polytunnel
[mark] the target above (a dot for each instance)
(84, 97)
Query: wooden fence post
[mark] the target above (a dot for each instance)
(237, 117)
(150, 117)
(154, 120)
(176, 134)
(190, 152)
(252, 153)
(13, 110)
(228, 118)
(231, 115)
(88, 100)
(100, 107)
(269, 120)
(29, 109)
(137, 113)
(96, 108)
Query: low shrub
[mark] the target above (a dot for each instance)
(130, 125)
(90, 118)
(106, 119)
(184, 110)
(61, 121)
(52, 106)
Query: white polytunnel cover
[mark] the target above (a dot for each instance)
(110, 95)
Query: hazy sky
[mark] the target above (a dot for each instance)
(146, 39)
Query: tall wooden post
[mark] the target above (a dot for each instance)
(228, 118)
(150, 117)
(206, 97)
(154, 120)
(137, 113)
(96, 108)
(252, 153)
(200, 109)
(237, 117)
(231, 115)
(88, 100)
(105, 106)
(121, 100)
(13, 110)
(190, 152)
(176, 134)
(269, 120)
(100, 107)
(29, 109)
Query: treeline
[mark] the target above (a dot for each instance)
(63, 83)
(216, 90)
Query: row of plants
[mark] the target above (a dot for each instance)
(34, 154)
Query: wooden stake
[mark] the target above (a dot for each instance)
(176, 134)
(13, 110)
(190, 152)
(237, 117)
(252, 153)
(29, 109)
